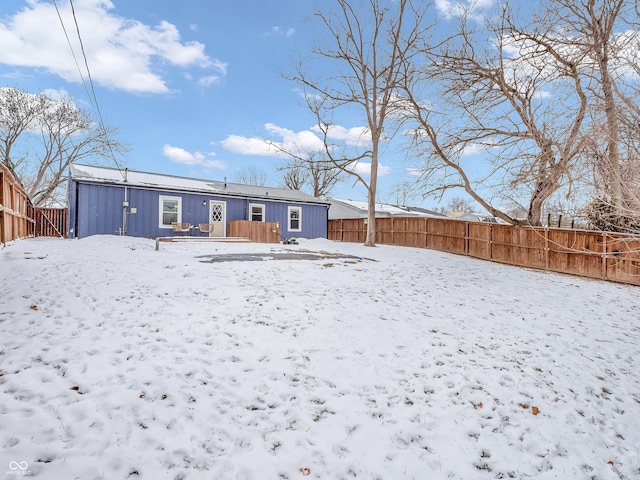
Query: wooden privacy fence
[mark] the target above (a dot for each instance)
(601, 255)
(260, 232)
(16, 210)
(20, 219)
(51, 222)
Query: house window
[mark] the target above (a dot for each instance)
(256, 212)
(295, 219)
(170, 211)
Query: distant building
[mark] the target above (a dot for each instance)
(343, 209)
(518, 214)
(477, 217)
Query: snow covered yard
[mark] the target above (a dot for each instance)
(117, 361)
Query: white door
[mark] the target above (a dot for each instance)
(218, 218)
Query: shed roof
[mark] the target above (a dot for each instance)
(157, 181)
(386, 209)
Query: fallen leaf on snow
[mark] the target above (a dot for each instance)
(34, 307)
(535, 410)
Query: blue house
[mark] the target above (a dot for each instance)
(125, 202)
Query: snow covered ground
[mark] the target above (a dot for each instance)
(118, 361)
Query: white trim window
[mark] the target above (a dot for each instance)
(170, 209)
(256, 212)
(295, 219)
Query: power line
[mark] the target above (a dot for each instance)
(73, 53)
(86, 64)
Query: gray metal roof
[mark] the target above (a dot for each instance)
(132, 178)
(359, 209)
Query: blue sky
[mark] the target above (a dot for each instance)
(193, 86)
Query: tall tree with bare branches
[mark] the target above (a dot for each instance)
(252, 176)
(367, 41)
(41, 137)
(607, 32)
(493, 83)
(309, 171)
(294, 178)
(533, 91)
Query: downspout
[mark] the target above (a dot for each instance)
(327, 231)
(76, 214)
(125, 204)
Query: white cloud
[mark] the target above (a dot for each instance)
(55, 95)
(455, 8)
(282, 139)
(250, 146)
(416, 172)
(286, 32)
(121, 53)
(302, 141)
(364, 169)
(208, 81)
(355, 136)
(180, 155)
(473, 148)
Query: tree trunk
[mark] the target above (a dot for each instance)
(615, 180)
(370, 241)
(544, 189)
(535, 211)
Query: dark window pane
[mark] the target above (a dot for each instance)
(168, 218)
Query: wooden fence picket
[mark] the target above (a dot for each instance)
(602, 255)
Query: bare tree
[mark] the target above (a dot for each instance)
(494, 101)
(595, 21)
(609, 34)
(308, 171)
(40, 138)
(368, 39)
(322, 179)
(19, 112)
(535, 93)
(459, 204)
(294, 178)
(251, 176)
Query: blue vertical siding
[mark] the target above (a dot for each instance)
(71, 205)
(96, 209)
(314, 219)
(99, 210)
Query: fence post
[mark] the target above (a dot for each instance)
(466, 238)
(604, 256)
(426, 232)
(491, 243)
(546, 249)
(393, 231)
(365, 222)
